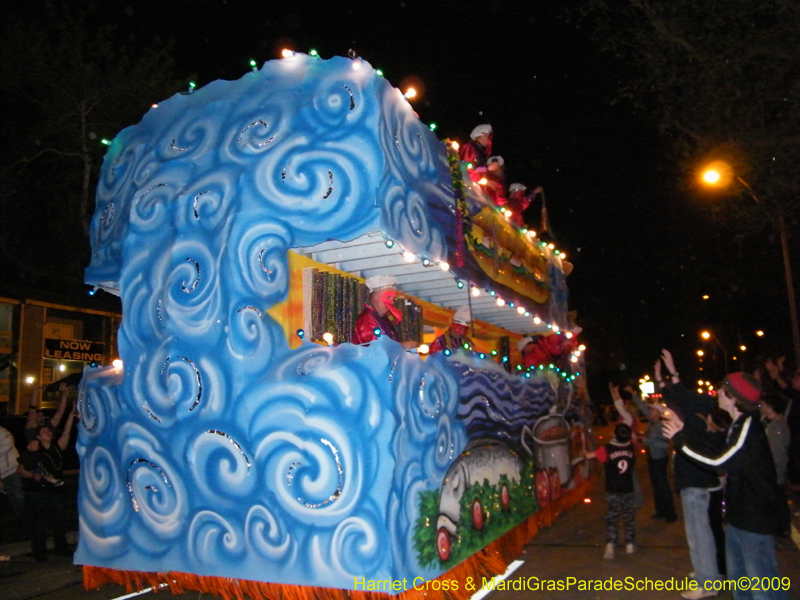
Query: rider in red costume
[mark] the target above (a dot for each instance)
(477, 151)
(456, 335)
(380, 313)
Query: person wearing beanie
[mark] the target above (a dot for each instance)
(477, 151)
(456, 335)
(380, 314)
(752, 495)
(619, 458)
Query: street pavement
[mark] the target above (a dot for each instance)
(571, 548)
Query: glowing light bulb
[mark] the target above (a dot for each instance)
(551, 246)
(521, 310)
(423, 349)
(444, 266)
(555, 328)
(500, 302)
(253, 65)
(536, 321)
(743, 348)
(711, 176)
(700, 353)
(328, 337)
(563, 255)
(154, 105)
(408, 256)
(389, 243)
(105, 142)
(569, 335)
(301, 333)
(582, 348)
(454, 145)
(426, 262)
(286, 53)
(377, 332)
(116, 363)
(313, 52)
(30, 379)
(410, 93)
(432, 126)
(484, 181)
(492, 293)
(475, 292)
(62, 368)
(379, 72)
(574, 358)
(356, 65)
(531, 233)
(507, 215)
(759, 333)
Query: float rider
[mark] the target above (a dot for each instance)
(456, 335)
(380, 314)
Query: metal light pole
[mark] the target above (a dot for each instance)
(714, 177)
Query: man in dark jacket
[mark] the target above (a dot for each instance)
(751, 487)
(695, 482)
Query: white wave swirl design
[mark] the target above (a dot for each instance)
(267, 536)
(220, 467)
(213, 541)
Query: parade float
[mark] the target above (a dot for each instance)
(243, 446)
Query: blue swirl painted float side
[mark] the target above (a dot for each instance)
(220, 451)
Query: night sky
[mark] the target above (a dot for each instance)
(644, 246)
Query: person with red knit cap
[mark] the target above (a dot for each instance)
(752, 495)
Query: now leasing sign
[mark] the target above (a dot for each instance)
(74, 350)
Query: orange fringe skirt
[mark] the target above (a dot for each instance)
(487, 562)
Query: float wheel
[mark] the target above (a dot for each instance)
(542, 488)
(505, 498)
(477, 514)
(555, 484)
(443, 544)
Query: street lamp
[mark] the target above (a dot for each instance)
(719, 174)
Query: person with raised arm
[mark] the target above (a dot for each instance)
(36, 416)
(752, 494)
(694, 482)
(44, 497)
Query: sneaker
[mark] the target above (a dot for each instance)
(609, 553)
(630, 548)
(698, 594)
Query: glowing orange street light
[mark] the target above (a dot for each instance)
(705, 335)
(719, 174)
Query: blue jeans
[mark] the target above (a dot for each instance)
(751, 555)
(699, 536)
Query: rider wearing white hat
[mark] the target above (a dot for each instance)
(380, 314)
(456, 335)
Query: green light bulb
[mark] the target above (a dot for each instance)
(105, 141)
(313, 53)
